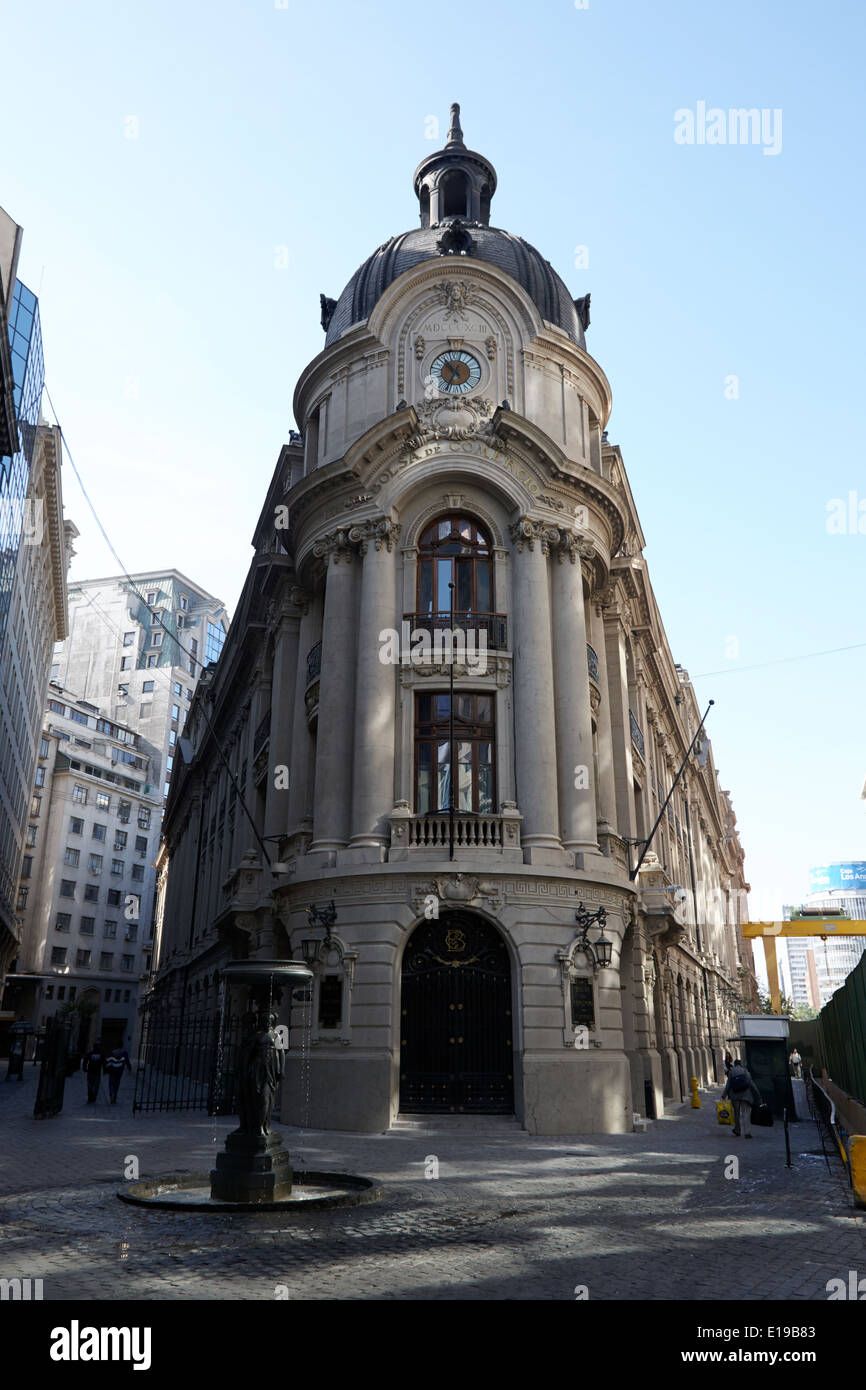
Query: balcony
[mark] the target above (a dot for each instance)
(494, 626)
(428, 836)
(636, 735)
(592, 662)
(314, 662)
(263, 733)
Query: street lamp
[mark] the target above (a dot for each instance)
(321, 917)
(600, 951)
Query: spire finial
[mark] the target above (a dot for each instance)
(455, 134)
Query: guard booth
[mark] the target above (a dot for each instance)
(763, 1041)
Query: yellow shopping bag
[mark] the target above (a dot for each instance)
(724, 1112)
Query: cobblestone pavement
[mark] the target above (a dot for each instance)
(511, 1216)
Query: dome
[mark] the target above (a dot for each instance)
(454, 187)
(510, 253)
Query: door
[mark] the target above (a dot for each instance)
(456, 1052)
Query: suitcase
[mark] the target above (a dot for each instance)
(724, 1112)
(762, 1116)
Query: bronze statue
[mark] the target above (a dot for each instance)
(262, 1064)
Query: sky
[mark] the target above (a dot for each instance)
(190, 178)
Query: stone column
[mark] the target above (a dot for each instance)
(606, 795)
(534, 712)
(617, 689)
(577, 804)
(332, 797)
(282, 705)
(299, 761)
(375, 693)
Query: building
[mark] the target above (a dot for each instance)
(35, 551)
(452, 433)
(87, 877)
(818, 966)
(121, 686)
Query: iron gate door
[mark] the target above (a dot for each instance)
(456, 1035)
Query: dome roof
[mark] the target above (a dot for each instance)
(510, 253)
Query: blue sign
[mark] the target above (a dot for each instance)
(849, 877)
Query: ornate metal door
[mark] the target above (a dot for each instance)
(456, 1034)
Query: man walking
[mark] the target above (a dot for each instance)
(114, 1065)
(93, 1065)
(742, 1092)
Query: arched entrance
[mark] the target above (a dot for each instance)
(456, 1052)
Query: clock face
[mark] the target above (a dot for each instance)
(456, 372)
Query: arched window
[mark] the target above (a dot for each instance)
(452, 196)
(455, 550)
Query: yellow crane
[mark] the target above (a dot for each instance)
(798, 926)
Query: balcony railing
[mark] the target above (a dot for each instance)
(263, 733)
(470, 832)
(314, 662)
(636, 734)
(494, 626)
(592, 662)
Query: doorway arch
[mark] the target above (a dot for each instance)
(456, 1025)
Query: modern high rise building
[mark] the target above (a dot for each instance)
(35, 550)
(818, 966)
(448, 703)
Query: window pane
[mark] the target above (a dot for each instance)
(424, 782)
(482, 573)
(484, 709)
(425, 587)
(443, 579)
(464, 586)
(443, 706)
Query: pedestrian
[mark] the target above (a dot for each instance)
(114, 1065)
(93, 1065)
(742, 1092)
(729, 1062)
(796, 1062)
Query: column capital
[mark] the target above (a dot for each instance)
(336, 546)
(380, 530)
(527, 530)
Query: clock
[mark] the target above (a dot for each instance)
(456, 372)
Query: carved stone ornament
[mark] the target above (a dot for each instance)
(528, 530)
(419, 348)
(490, 347)
(456, 240)
(450, 417)
(334, 547)
(455, 295)
(381, 532)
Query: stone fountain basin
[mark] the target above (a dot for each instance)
(311, 1191)
(254, 972)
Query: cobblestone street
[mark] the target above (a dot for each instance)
(511, 1216)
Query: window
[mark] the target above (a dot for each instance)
(106, 960)
(127, 962)
(49, 994)
(61, 989)
(108, 996)
(120, 839)
(125, 995)
(63, 921)
(169, 764)
(103, 801)
(151, 600)
(40, 777)
(128, 639)
(115, 897)
(126, 663)
(147, 686)
(99, 832)
(43, 748)
(82, 959)
(156, 639)
(132, 932)
(141, 844)
(184, 602)
(35, 806)
(76, 826)
(193, 646)
(178, 688)
(78, 716)
(189, 695)
(123, 811)
(166, 787)
(79, 794)
(214, 642)
(117, 866)
(143, 818)
(94, 863)
(172, 738)
(27, 866)
(153, 660)
(123, 692)
(473, 746)
(175, 712)
(21, 903)
(455, 550)
(56, 706)
(71, 857)
(87, 925)
(58, 957)
(138, 873)
(109, 928)
(330, 1001)
(30, 837)
(155, 619)
(91, 892)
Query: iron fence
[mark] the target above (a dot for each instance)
(187, 1063)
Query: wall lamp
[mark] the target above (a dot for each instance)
(600, 951)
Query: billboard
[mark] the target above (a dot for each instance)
(850, 877)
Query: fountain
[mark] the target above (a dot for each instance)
(253, 1173)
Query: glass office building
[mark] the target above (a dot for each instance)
(28, 369)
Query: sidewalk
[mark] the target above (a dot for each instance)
(514, 1216)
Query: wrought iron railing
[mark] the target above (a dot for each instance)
(592, 662)
(636, 734)
(314, 662)
(494, 626)
(263, 733)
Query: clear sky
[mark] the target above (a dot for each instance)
(190, 176)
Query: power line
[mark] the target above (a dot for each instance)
(779, 661)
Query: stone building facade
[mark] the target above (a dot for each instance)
(453, 434)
